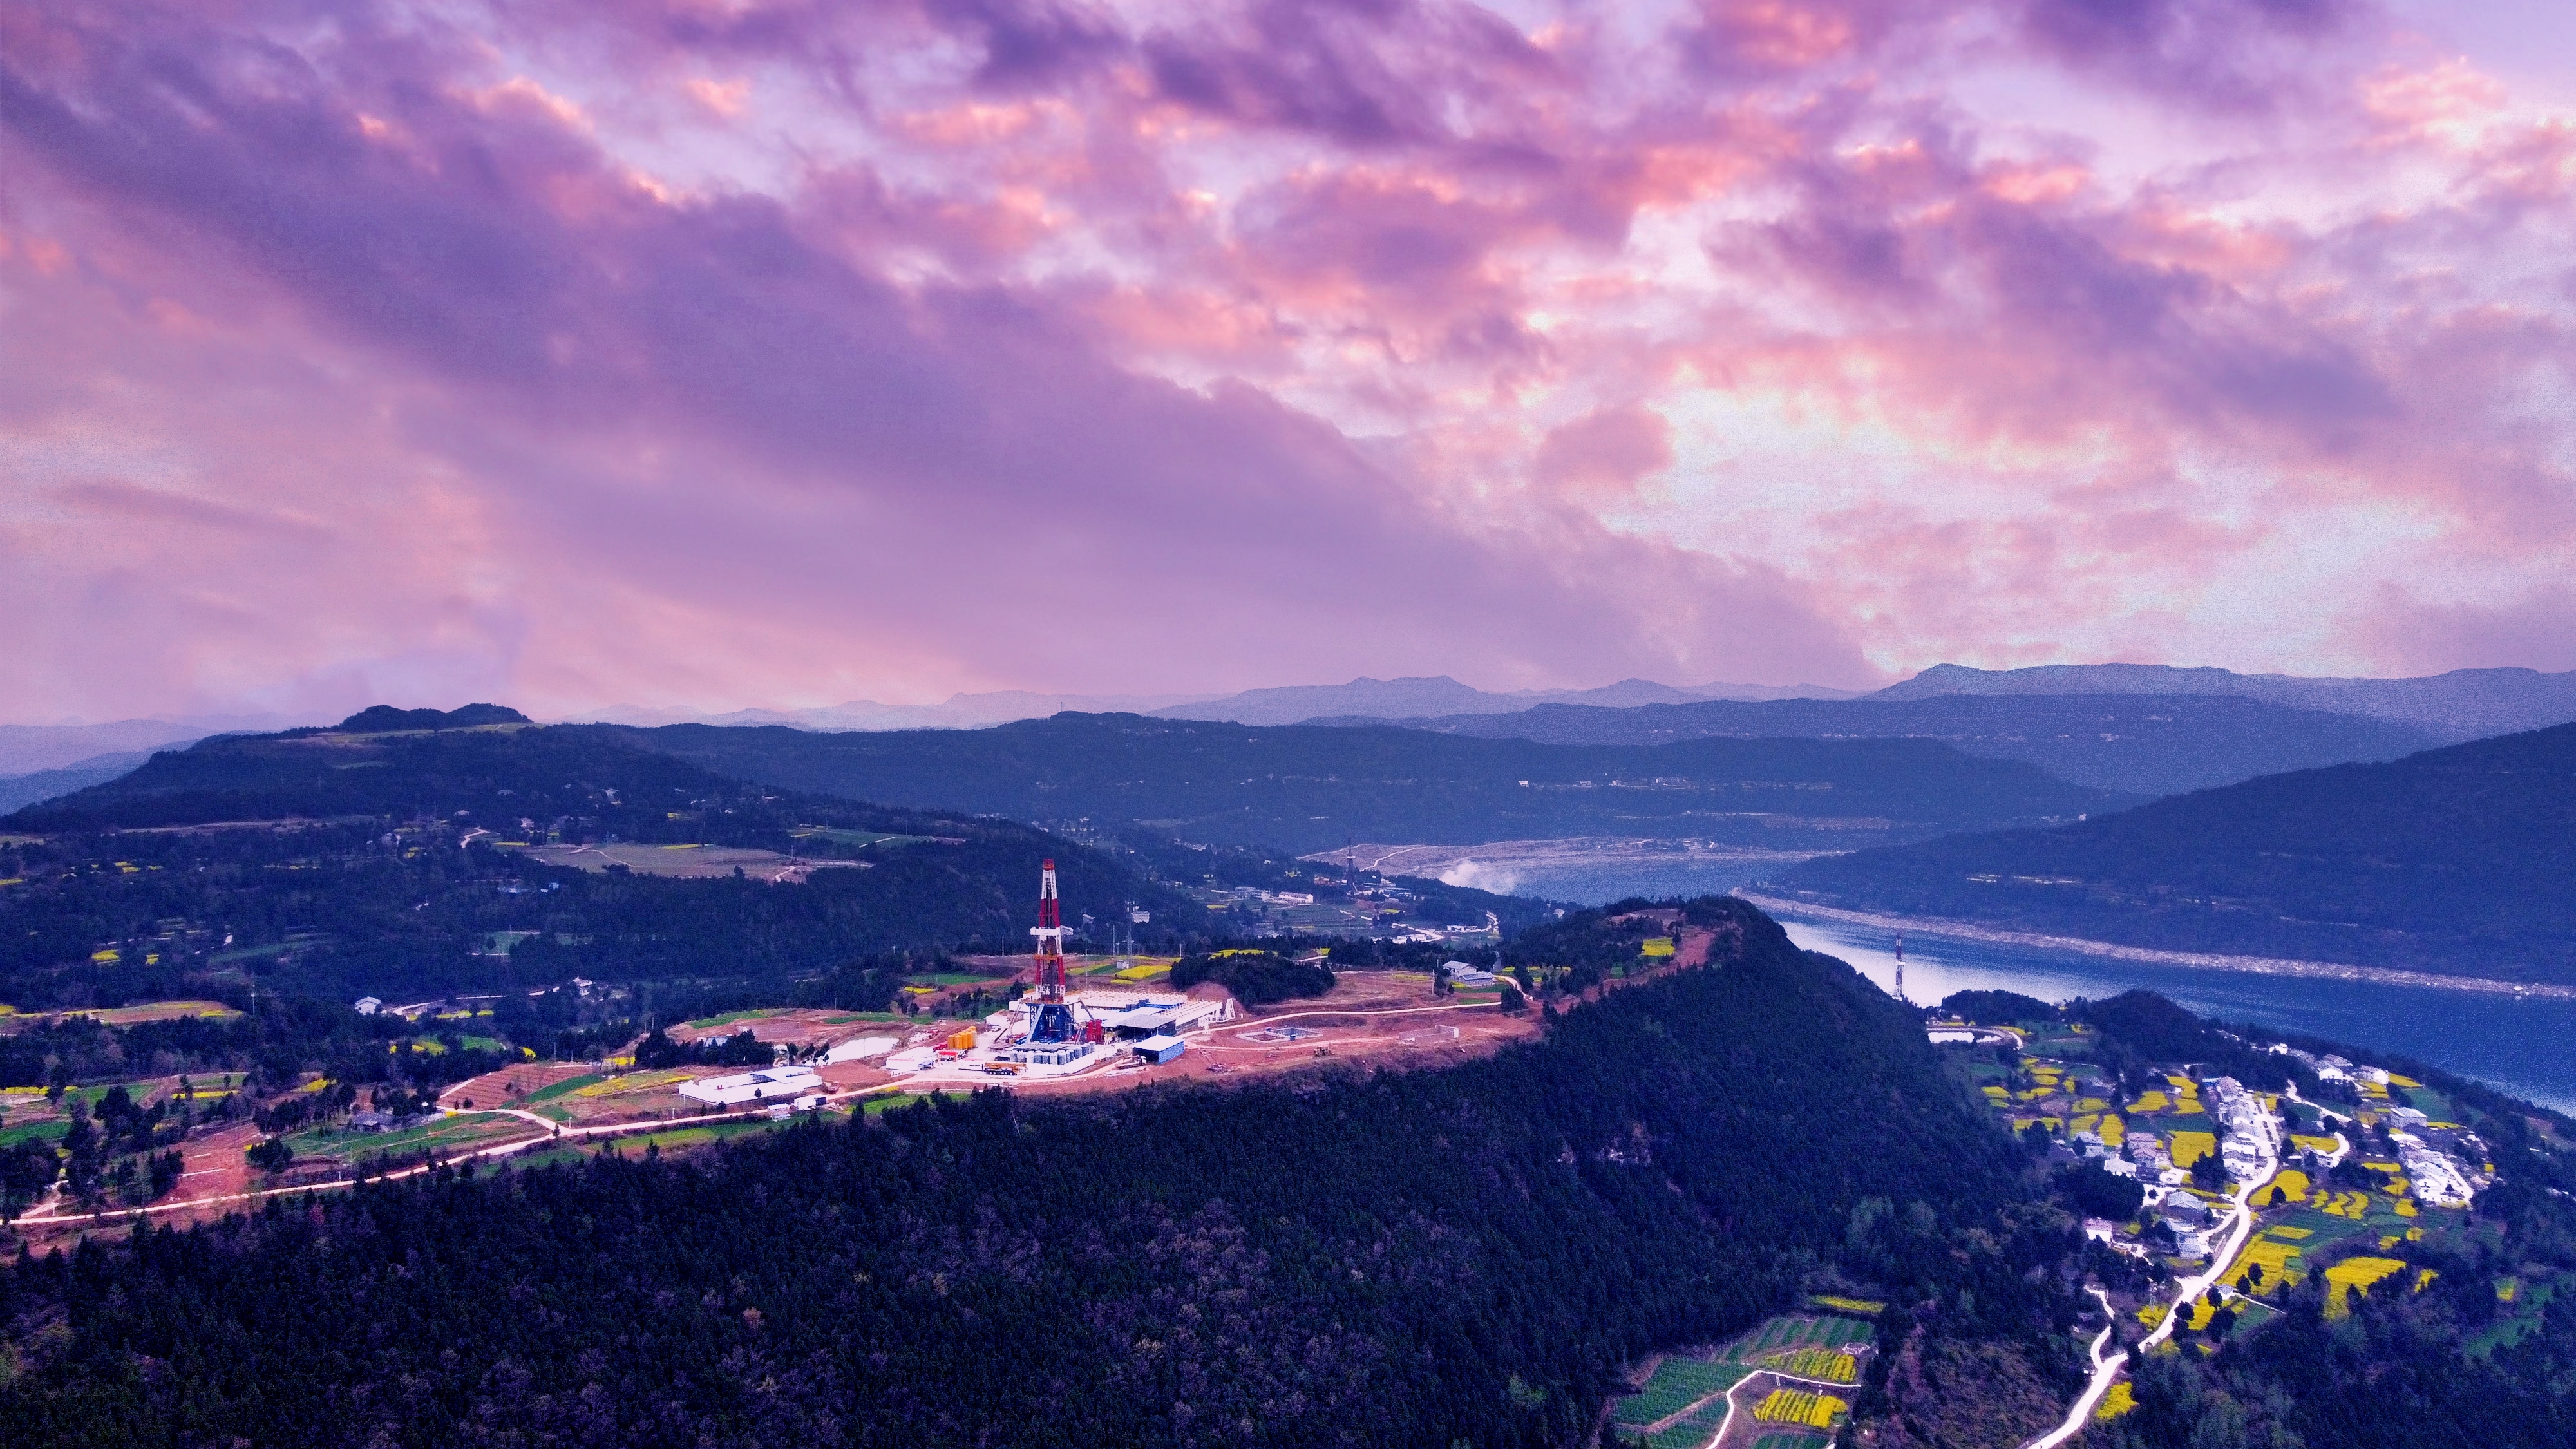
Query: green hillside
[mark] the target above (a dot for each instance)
(2455, 860)
(1425, 1258)
(2147, 744)
(1306, 788)
(341, 862)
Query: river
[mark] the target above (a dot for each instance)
(2526, 1047)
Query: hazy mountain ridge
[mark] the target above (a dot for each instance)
(958, 711)
(27, 748)
(2464, 704)
(2142, 744)
(36, 785)
(2453, 860)
(1440, 694)
(1306, 788)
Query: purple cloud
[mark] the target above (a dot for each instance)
(788, 353)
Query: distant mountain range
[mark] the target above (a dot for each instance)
(1441, 695)
(2138, 728)
(2144, 744)
(35, 785)
(2456, 860)
(28, 748)
(959, 712)
(2465, 704)
(1289, 704)
(1307, 788)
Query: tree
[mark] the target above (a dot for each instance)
(26, 1170)
(2099, 1194)
(271, 1155)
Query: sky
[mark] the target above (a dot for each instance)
(729, 353)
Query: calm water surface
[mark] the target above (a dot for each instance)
(2527, 1048)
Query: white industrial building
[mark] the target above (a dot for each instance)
(770, 1084)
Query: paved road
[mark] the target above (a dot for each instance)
(555, 1132)
(2106, 1371)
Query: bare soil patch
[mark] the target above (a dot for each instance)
(506, 1086)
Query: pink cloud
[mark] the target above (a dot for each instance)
(785, 353)
(1606, 449)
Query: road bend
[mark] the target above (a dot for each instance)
(2106, 1370)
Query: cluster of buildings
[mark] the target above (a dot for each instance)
(2247, 1138)
(1097, 1028)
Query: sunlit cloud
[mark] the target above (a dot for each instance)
(777, 353)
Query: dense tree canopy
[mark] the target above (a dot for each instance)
(1391, 1260)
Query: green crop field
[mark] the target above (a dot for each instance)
(1677, 1383)
(843, 837)
(51, 1131)
(1790, 1333)
(471, 1129)
(680, 1137)
(565, 1087)
(1693, 1432)
(549, 1157)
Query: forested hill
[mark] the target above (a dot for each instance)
(2454, 860)
(376, 873)
(2146, 744)
(1421, 1259)
(1305, 788)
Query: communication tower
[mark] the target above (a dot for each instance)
(1900, 966)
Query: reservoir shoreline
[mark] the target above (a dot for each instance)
(1935, 926)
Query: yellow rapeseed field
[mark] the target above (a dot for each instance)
(2275, 1259)
(631, 1082)
(1866, 1307)
(2354, 1273)
(1817, 1363)
(2190, 1147)
(1797, 1406)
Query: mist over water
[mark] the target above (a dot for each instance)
(1598, 883)
(2526, 1047)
